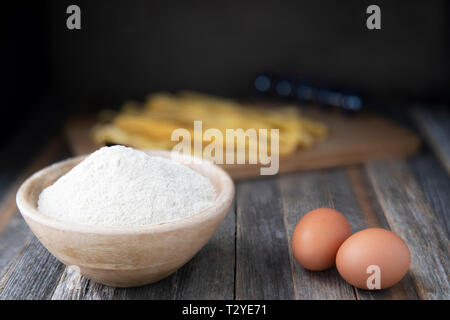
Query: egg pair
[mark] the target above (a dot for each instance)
(373, 258)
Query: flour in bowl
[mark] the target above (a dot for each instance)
(120, 186)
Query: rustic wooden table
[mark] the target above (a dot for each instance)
(250, 256)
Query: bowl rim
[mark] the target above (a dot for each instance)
(222, 202)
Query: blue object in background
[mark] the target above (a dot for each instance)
(286, 88)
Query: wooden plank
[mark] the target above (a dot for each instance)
(263, 268)
(73, 286)
(34, 274)
(377, 138)
(365, 195)
(209, 275)
(351, 195)
(412, 218)
(164, 289)
(435, 183)
(343, 197)
(434, 123)
(12, 241)
(300, 194)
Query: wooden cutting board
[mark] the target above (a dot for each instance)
(351, 140)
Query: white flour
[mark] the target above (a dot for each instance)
(120, 186)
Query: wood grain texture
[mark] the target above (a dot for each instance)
(411, 198)
(342, 185)
(12, 241)
(209, 275)
(435, 126)
(435, 183)
(22, 257)
(377, 138)
(412, 218)
(73, 286)
(34, 274)
(164, 289)
(301, 193)
(263, 269)
(365, 195)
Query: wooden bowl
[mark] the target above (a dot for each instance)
(125, 256)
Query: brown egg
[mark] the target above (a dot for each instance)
(373, 255)
(317, 238)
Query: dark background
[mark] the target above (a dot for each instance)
(127, 49)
